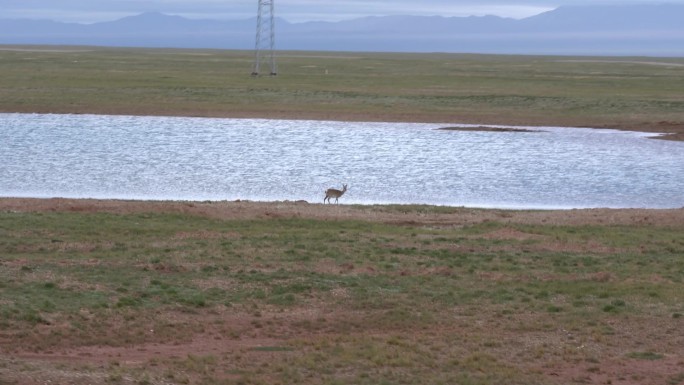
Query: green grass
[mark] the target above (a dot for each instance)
(391, 303)
(387, 86)
(645, 356)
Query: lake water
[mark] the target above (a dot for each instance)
(132, 157)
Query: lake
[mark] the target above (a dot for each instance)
(177, 158)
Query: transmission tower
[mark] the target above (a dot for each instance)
(265, 39)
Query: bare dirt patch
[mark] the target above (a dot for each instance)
(487, 129)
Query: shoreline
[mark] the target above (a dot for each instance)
(408, 214)
(673, 131)
(357, 204)
(508, 90)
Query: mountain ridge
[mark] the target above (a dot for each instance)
(649, 30)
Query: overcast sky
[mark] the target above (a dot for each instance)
(90, 11)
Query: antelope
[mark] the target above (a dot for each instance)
(333, 193)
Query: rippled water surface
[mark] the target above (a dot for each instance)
(216, 159)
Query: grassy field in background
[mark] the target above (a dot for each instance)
(583, 91)
(304, 301)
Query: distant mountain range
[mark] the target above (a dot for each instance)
(651, 30)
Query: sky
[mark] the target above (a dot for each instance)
(92, 11)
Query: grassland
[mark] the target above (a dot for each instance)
(631, 93)
(97, 292)
(110, 292)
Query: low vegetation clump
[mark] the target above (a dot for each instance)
(93, 297)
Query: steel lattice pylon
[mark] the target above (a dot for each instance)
(264, 50)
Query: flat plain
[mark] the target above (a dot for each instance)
(134, 292)
(632, 93)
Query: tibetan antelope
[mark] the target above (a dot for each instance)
(333, 193)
